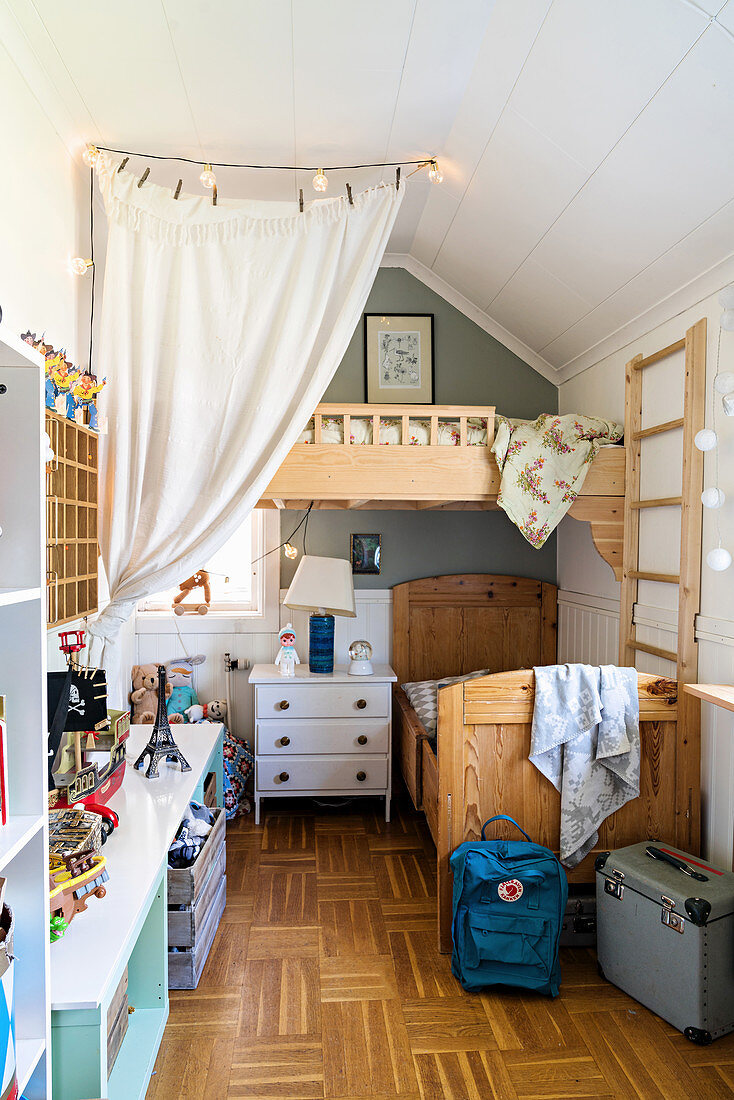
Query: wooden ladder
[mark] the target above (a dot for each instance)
(688, 579)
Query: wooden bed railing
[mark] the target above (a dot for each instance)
(405, 413)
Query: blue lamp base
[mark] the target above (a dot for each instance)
(321, 643)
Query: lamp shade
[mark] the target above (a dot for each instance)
(322, 584)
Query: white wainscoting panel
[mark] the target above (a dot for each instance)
(588, 629)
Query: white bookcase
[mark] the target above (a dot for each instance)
(24, 839)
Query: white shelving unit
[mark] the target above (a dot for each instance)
(24, 840)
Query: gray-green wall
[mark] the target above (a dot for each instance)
(471, 368)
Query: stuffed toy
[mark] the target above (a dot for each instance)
(180, 674)
(200, 579)
(144, 695)
(216, 711)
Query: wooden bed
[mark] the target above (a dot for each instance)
(431, 476)
(445, 626)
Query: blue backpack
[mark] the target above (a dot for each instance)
(509, 902)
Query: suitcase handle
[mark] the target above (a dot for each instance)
(504, 817)
(657, 853)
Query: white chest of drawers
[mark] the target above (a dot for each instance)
(322, 735)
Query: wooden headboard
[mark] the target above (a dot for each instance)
(447, 626)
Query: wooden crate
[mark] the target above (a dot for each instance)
(185, 967)
(185, 925)
(210, 790)
(185, 884)
(117, 1015)
(71, 521)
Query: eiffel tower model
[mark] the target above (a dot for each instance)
(161, 744)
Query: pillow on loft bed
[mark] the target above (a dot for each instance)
(391, 431)
(423, 698)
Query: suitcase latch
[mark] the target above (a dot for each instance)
(669, 918)
(614, 887)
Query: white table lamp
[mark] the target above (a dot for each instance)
(324, 587)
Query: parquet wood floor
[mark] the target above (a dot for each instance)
(324, 983)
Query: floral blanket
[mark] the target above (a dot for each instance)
(543, 465)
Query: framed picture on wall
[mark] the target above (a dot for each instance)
(365, 553)
(398, 358)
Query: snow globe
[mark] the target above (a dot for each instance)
(360, 653)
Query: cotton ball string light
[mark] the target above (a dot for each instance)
(713, 497)
(726, 297)
(727, 320)
(706, 439)
(724, 381)
(718, 559)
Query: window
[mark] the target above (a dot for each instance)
(244, 584)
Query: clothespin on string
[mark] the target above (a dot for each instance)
(214, 195)
(300, 199)
(177, 192)
(349, 195)
(397, 178)
(144, 177)
(123, 162)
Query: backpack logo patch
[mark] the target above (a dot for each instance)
(511, 890)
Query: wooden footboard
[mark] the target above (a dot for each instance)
(407, 738)
(483, 744)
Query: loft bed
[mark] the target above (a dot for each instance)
(477, 765)
(426, 457)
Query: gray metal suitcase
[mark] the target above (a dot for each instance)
(665, 935)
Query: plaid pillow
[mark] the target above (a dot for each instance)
(423, 697)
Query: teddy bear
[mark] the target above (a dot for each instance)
(144, 695)
(179, 674)
(216, 711)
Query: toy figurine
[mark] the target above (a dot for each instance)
(216, 711)
(85, 391)
(200, 579)
(287, 657)
(180, 675)
(64, 374)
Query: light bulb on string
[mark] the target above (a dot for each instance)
(726, 297)
(79, 266)
(290, 550)
(727, 320)
(706, 439)
(435, 174)
(724, 381)
(207, 177)
(90, 156)
(320, 182)
(713, 497)
(718, 559)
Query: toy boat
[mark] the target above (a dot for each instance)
(81, 781)
(73, 879)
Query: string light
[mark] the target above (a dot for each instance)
(90, 156)
(706, 439)
(435, 174)
(718, 559)
(713, 497)
(320, 182)
(290, 550)
(207, 177)
(724, 381)
(80, 266)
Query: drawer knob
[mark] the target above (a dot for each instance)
(361, 704)
(362, 739)
(283, 704)
(285, 741)
(361, 776)
(284, 777)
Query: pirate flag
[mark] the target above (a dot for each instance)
(77, 702)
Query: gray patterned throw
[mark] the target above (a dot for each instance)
(586, 741)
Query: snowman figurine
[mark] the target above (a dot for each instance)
(287, 657)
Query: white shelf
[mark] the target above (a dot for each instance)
(150, 812)
(10, 596)
(270, 674)
(15, 835)
(27, 1056)
(14, 352)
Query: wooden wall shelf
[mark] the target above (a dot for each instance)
(71, 521)
(721, 695)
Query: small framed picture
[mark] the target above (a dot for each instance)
(398, 358)
(365, 553)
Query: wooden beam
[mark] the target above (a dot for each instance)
(279, 504)
(630, 553)
(656, 502)
(643, 647)
(656, 356)
(656, 429)
(659, 578)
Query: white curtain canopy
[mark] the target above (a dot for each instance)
(221, 328)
